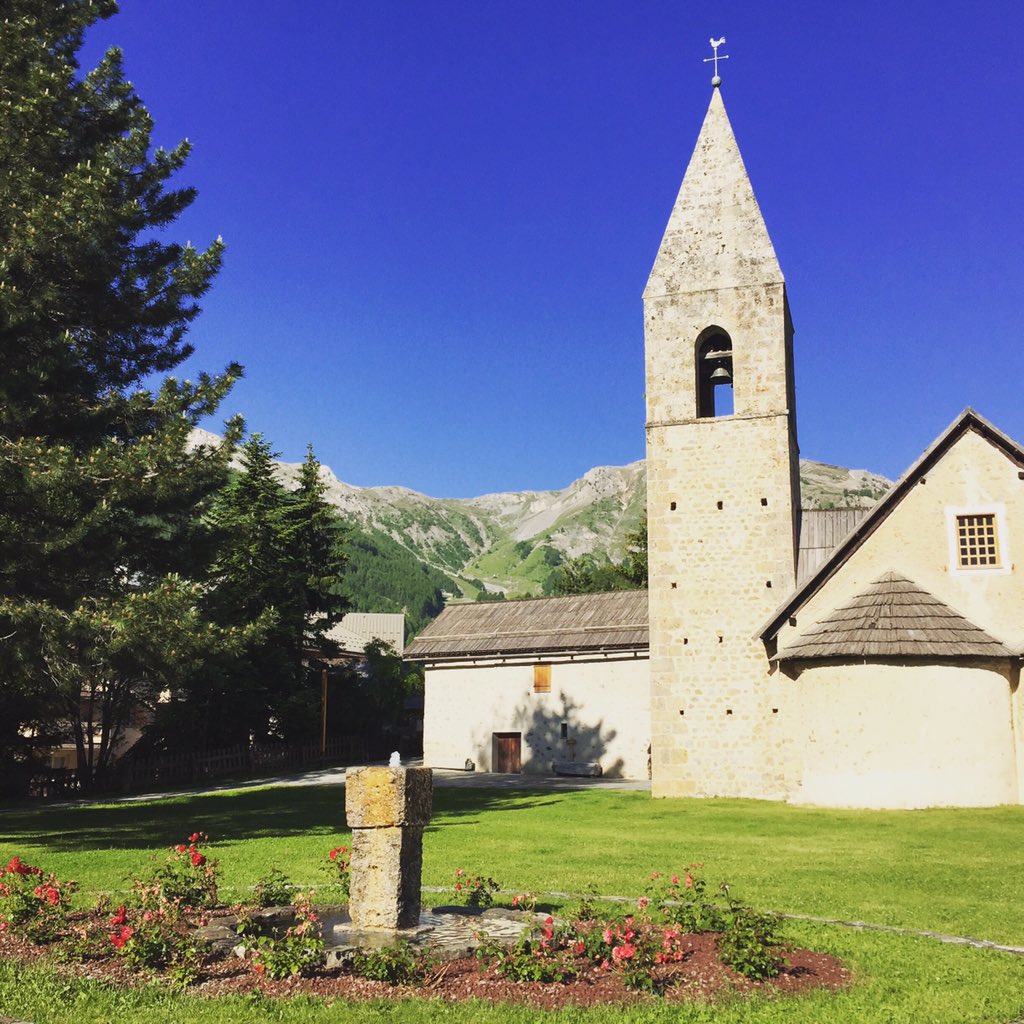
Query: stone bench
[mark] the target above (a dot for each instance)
(586, 768)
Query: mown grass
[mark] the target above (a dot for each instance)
(951, 871)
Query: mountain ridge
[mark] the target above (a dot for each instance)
(509, 543)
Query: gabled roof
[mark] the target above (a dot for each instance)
(966, 422)
(894, 617)
(357, 629)
(586, 623)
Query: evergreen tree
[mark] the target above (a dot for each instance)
(279, 562)
(319, 539)
(634, 568)
(370, 700)
(256, 572)
(586, 575)
(102, 539)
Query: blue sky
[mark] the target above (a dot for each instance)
(440, 216)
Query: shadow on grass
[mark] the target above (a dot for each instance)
(231, 816)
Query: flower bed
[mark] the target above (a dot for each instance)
(682, 942)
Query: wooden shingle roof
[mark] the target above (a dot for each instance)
(894, 617)
(551, 625)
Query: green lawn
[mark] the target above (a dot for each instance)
(954, 871)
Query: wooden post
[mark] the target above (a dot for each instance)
(323, 713)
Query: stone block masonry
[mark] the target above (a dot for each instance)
(722, 489)
(387, 809)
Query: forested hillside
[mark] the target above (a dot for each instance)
(411, 552)
(383, 576)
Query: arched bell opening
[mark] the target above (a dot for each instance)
(714, 373)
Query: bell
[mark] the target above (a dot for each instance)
(721, 375)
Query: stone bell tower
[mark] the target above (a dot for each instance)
(723, 487)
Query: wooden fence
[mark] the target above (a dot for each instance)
(142, 774)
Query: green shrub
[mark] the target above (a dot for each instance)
(687, 904)
(272, 890)
(159, 941)
(397, 965)
(751, 943)
(474, 890)
(339, 867)
(187, 880)
(299, 951)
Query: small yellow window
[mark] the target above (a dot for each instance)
(541, 678)
(977, 544)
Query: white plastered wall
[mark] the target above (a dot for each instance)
(603, 703)
(904, 735)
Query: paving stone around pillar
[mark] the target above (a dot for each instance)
(387, 809)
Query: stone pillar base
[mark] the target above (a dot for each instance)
(387, 865)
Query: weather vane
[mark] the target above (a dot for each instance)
(715, 44)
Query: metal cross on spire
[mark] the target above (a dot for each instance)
(715, 44)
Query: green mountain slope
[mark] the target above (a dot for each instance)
(409, 551)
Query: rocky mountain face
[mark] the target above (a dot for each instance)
(509, 543)
(408, 550)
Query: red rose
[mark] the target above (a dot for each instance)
(197, 859)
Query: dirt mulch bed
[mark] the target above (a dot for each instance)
(700, 976)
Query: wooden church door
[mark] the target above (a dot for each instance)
(508, 752)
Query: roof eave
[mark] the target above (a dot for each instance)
(527, 653)
(969, 419)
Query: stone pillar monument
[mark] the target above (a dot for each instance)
(387, 809)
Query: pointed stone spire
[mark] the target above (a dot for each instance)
(716, 236)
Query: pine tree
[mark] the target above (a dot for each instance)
(102, 539)
(279, 557)
(586, 575)
(256, 572)
(320, 540)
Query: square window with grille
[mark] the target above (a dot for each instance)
(541, 678)
(977, 543)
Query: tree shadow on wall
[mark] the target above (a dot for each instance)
(558, 731)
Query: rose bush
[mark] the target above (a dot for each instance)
(33, 903)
